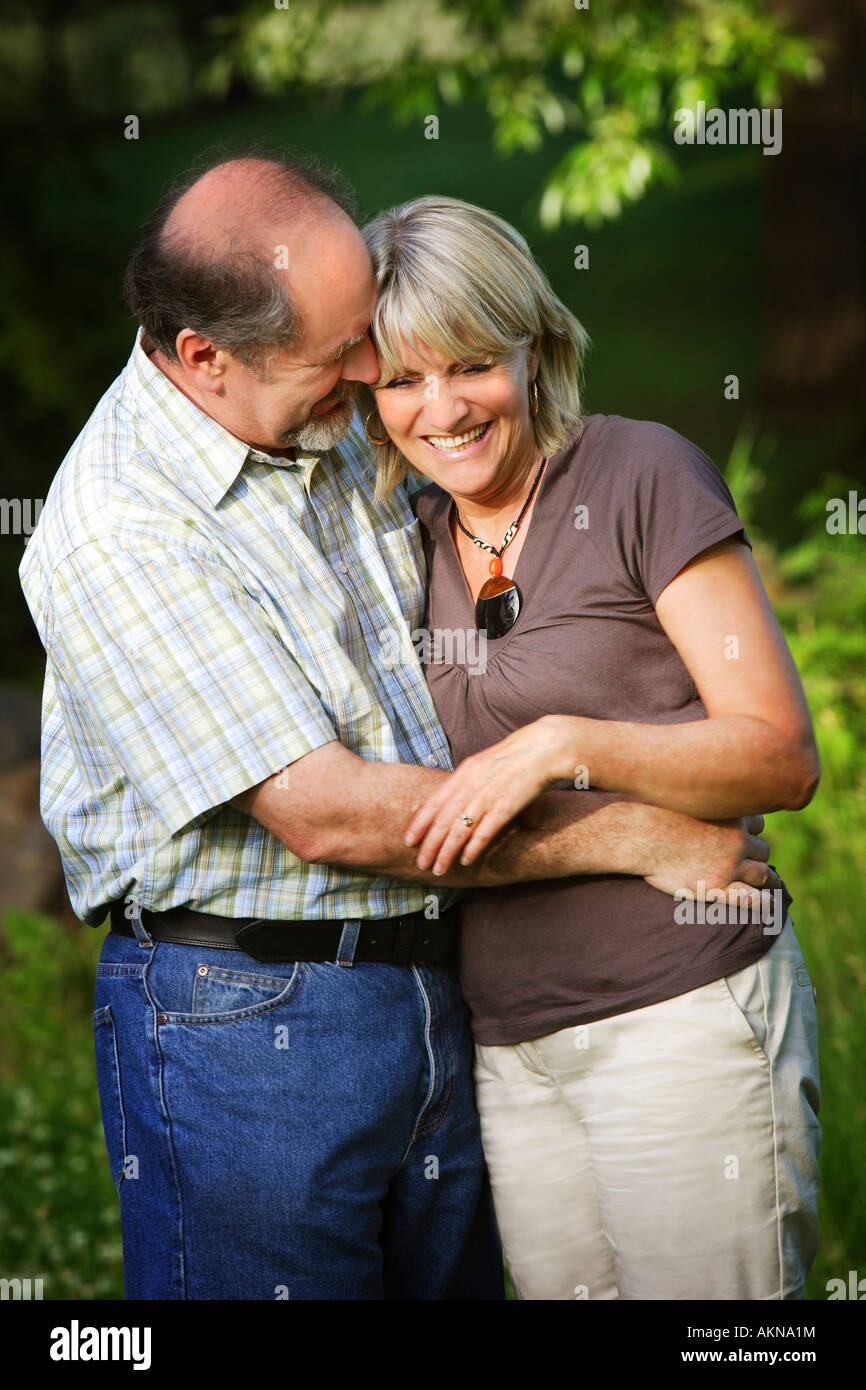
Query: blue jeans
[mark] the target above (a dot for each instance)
(300, 1131)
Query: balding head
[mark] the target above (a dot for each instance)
(242, 205)
(213, 255)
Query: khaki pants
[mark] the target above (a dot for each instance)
(667, 1153)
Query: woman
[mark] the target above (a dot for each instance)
(646, 1069)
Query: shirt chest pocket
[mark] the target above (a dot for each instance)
(404, 569)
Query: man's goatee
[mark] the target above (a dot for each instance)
(320, 434)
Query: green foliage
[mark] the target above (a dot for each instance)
(59, 1214)
(615, 74)
(818, 589)
(819, 592)
(103, 58)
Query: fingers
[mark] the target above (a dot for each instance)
(448, 836)
(756, 848)
(756, 874)
(424, 816)
(487, 791)
(754, 825)
(460, 794)
(446, 833)
(747, 903)
(740, 894)
(488, 826)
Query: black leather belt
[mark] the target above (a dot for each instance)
(395, 940)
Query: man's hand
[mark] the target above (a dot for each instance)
(715, 854)
(680, 853)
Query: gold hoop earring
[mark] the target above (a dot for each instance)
(533, 397)
(372, 437)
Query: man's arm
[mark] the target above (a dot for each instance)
(332, 807)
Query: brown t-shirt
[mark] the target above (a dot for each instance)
(618, 514)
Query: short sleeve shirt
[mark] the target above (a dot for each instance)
(211, 614)
(618, 514)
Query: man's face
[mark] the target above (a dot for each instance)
(304, 396)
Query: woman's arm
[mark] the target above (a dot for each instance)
(755, 752)
(756, 749)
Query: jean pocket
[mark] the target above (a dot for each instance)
(110, 1091)
(202, 992)
(221, 993)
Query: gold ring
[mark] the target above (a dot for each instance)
(467, 820)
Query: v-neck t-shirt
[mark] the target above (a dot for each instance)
(619, 512)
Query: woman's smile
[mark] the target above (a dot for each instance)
(460, 446)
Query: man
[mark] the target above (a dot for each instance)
(229, 767)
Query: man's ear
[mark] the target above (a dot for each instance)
(203, 363)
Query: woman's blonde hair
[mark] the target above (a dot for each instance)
(464, 282)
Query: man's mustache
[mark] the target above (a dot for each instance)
(343, 391)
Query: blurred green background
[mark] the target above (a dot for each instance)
(704, 261)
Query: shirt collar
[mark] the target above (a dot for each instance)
(220, 456)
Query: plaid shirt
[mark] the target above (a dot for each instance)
(210, 614)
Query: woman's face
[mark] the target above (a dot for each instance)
(466, 425)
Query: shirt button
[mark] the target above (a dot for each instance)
(430, 760)
(343, 567)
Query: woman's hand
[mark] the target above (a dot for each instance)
(490, 789)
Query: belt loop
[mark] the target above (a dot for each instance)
(133, 912)
(348, 942)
